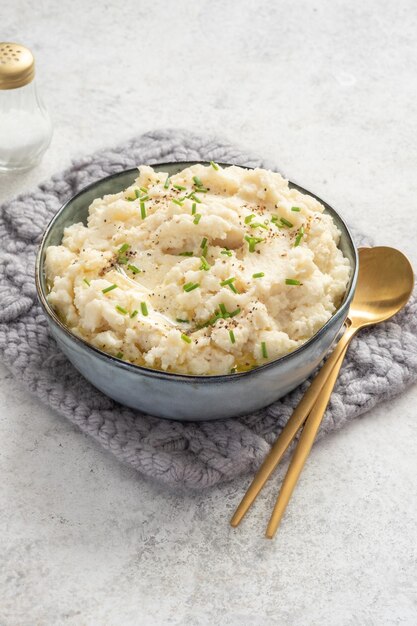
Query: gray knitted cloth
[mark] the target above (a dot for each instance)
(380, 363)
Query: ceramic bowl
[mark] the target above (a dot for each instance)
(177, 396)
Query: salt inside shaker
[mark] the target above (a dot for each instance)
(25, 126)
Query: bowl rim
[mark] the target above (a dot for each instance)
(161, 374)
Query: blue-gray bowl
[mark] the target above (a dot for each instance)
(177, 396)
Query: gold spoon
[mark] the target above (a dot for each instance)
(385, 283)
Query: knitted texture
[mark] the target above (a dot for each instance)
(380, 363)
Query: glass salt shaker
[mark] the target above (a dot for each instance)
(25, 126)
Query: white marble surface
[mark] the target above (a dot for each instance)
(327, 89)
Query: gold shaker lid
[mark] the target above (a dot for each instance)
(17, 65)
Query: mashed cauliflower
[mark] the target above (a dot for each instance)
(209, 271)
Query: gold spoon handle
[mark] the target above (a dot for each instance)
(304, 445)
(291, 428)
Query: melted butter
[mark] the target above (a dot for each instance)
(246, 363)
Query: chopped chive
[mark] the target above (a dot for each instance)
(144, 308)
(197, 218)
(264, 350)
(143, 189)
(233, 370)
(234, 313)
(133, 268)
(223, 309)
(122, 259)
(299, 237)
(185, 338)
(121, 309)
(142, 209)
(166, 183)
(292, 281)
(123, 248)
(252, 241)
(194, 197)
(228, 281)
(204, 265)
(185, 254)
(175, 201)
(198, 181)
(193, 209)
(214, 165)
(202, 189)
(204, 247)
(190, 286)
(248, 218)
(233, 288)
(134, 313)
(286, 222)
(226, 252)
(232, 336)
(107, 289)
(258, 225)
(180, 321)
(274, 219)
(144, 198)
(137, 193)
(130, 199)
(119, 355)
(87, 282)
(258, 275)
(179, 187)
(296, 209)
(211, 321)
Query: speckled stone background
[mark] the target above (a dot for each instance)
(328, 89)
